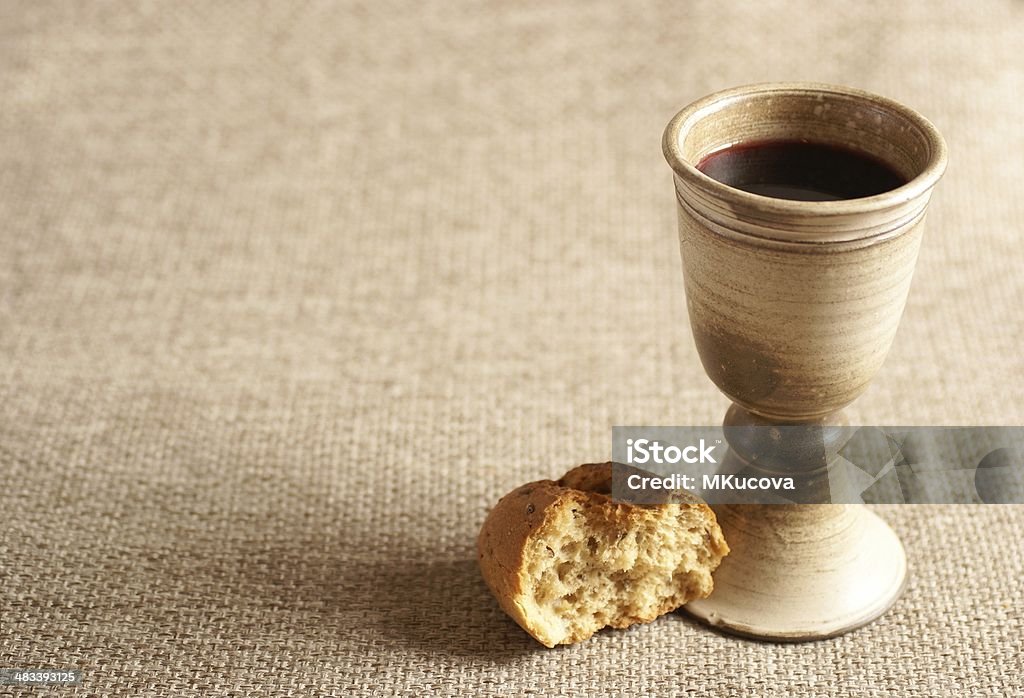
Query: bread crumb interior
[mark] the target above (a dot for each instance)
(591, 567)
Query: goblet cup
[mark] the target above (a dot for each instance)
(794, 305)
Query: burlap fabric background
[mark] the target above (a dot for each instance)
(290, 294)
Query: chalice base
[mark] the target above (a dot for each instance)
(802, 572)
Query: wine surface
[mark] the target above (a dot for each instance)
(800, 170)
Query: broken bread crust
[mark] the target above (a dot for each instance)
(564, 560)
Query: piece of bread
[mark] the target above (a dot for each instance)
(565, 560)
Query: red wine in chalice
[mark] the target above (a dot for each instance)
(799, 170)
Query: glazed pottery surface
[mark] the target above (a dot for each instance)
(793, 306)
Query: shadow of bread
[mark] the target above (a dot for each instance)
(443, 608)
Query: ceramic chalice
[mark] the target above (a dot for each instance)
(794, 305)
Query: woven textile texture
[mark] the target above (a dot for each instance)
(291, 293)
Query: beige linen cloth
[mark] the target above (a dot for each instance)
(291, 293)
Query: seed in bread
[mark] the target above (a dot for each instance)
(565, 560)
